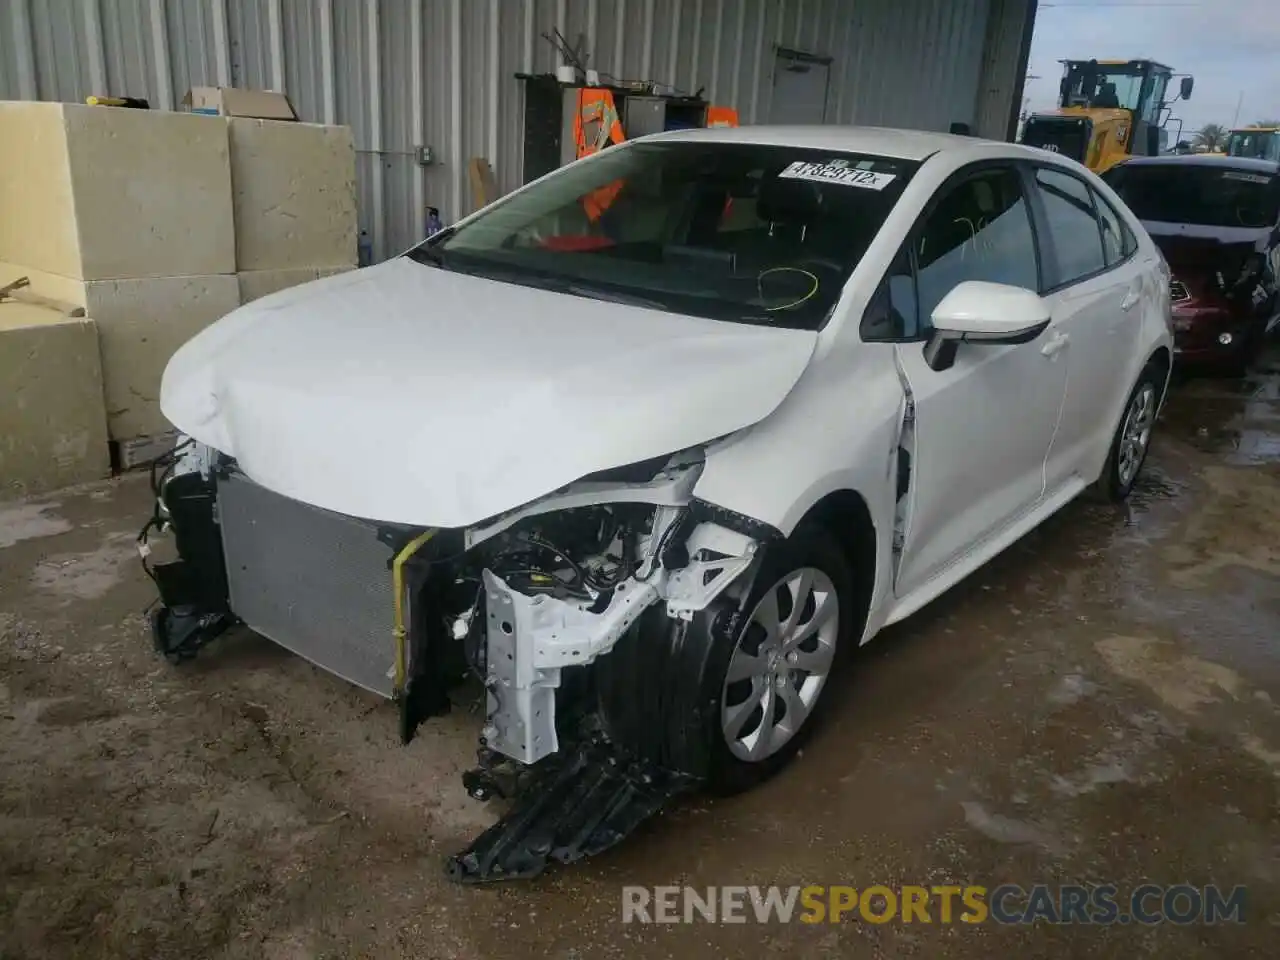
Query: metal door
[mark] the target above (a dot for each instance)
(800, 84)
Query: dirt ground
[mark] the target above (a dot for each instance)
(1099, 704)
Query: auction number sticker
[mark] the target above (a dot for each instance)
(837, 171)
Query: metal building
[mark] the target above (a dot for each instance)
(405, 74)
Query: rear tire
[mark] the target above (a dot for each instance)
(1132, 439)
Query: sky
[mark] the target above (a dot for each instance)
(1231, 47)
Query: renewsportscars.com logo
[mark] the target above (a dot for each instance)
(1101, 904)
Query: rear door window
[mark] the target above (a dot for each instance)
(1074, 243)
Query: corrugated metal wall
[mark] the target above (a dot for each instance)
(441, 72)
(1004, 67)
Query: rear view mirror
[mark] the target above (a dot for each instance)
(1186, 86)
(980, 312)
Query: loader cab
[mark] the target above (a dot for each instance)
(1138, 86)
(1107, 111)
(1259, 143)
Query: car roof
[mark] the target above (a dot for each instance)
(879, 141)
(1251, 164)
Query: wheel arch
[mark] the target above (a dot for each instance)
(1159, 355)
(845, 514)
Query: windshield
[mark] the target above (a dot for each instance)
(734, 231)
(1197, 195)
(1131, 86)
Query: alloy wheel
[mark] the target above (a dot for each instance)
(1135, 435)
(780, 664)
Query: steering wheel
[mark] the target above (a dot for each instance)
(1257, 221)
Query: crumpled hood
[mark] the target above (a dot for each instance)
(409, 394)
(1204, 249)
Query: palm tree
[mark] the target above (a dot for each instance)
(1265, 123)
(1212, 136)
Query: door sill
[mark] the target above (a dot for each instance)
(968, 562)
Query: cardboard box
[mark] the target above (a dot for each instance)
(239, 102)
(255, 284)
(141, 323)
(53, 426)
(293, 190)
(95, 193)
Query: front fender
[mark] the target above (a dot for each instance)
(838, 430)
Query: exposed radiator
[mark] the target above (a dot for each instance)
(315, 582)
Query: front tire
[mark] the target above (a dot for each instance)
(1132, 440)
(735, 694)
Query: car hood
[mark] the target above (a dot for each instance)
(1205, 249)
(409, 394)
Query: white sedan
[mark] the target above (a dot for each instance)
(647, 444)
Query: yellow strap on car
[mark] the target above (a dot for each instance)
(397, 585)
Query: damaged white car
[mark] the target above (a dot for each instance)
(645, 446)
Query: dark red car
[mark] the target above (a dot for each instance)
(1217, 221)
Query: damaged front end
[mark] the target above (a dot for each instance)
(523, 605)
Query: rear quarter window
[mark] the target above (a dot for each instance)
(1118, 241)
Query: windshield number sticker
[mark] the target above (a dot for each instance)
(837, 171)
(1246, 177)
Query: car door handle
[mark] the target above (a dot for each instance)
(1055, 343)
(1131, 299)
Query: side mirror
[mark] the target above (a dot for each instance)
(980, 312)
(1186, 86)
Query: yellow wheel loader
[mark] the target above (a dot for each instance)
(1108, 111)
(1262, 143)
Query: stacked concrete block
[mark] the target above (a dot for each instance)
(255, 284)
(141, 323)
(37, 205)
(294, 195)
(158, 224)
(128, 214)
(53, 430)
(98, 193)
